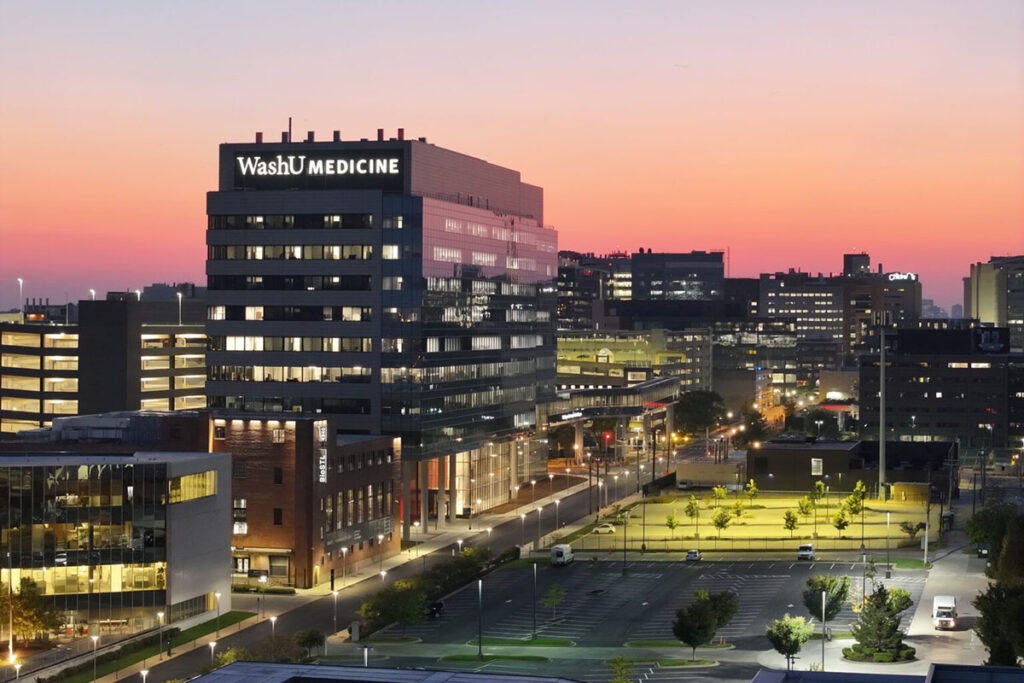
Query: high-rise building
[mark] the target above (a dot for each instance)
(691, 276)
(994, 294)
(402, 288)
(120, 353)
(856, 264)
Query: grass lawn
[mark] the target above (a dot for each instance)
(186, 636)
(347, 659)
(835, 634)
(670, 661)
(536, 642)
(493, 658)
(904, 563)
(674, 643)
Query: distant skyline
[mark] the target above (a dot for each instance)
(787, 133)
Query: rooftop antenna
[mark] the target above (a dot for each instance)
(289, 129)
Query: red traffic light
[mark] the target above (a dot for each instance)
(607, 436)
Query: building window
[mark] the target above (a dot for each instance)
(279, 565)
(240, 516)
(278, 436)
(278, 516)
(278, 475)
(390, 252)
(192, 486)
(238, 470)
(220, 432)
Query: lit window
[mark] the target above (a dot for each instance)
(390, 252)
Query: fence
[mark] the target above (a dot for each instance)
(682, 543)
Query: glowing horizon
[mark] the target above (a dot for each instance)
(786, 134)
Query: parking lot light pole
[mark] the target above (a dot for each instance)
(95, 639)
(522, 524)
(335, 594)
(535, 601)
(888, 567)
(625, 529)
(160, 633)
(557, 502)
(822, 630)
(213, 649)
(537, 546)
(480, 619)
(217, 596)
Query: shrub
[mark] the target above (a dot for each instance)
(907, 653)
(510, 555)
(883, 657)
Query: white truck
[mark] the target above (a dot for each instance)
(944, 611)
(561, 555)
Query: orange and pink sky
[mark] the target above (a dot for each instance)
(786, 132)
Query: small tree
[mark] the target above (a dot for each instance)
(910, 528)
(34, 613)
(277, 649)
(751, 491)
(817, 493)
(724, 606)
(737, 508)
(721, 520)
(555, 596)
(805, 506)
(787, 635)
(621, 669)
(878, 626)
(719, 494)
(404, 602)
(672, 522)
(1001, 622)
(840, 521)
(836, 589)
(1010, 568)
(693, 512)
(233, 654)
(790, 522)
(853, 504)
(309, 639)
(695, 624)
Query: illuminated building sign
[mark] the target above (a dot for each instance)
(320, 170)
(895, 277)
(323, 466)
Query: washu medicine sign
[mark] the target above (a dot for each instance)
(371, 169)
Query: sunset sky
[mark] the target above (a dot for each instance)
(786, 132)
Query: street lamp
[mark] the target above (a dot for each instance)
(557, 502)
(179, 308)
(522, 520)
(262, 587)
(144, 672)
(335, 594)
(615, 478)
(213, 648)
(273, 626)
(17, 667)
(138, 295)
(380, 552)
(21, 292)
(95, 639)
(819, 423)
(383, 574)
(537, 546)
(160, 633)
(344, 565)
(600, 487)
(888, 567)
(480, 619)
(92, 293)
(533, 490)
(460, 545)
(217, 595)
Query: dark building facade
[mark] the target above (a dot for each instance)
(947, 385)
(691, 276)
(401, 288)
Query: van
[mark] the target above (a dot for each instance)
(805, 552)
(944, 611)
(561, 554)
(684, 484)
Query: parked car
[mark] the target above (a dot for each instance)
(805, 552)
(605, 528)
(684, 484)
(693, 555)
(436, 609)
(983, 550)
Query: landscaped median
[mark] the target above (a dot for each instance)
(675, 643)
(127, 655)
(667, 661)
(530, 642)
(492, 658)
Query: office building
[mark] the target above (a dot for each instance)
(401, 288)
(121, 540)
(994, 294)
(119, 353)
(691, 276)
(947, 385)
(583, 279)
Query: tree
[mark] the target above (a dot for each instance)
(233, 654)
(672, 522)
(877, 628)
(34, 613)
(724, 606)
(693, 512)
(840, 521)
(1000, 623)
(695, 625)
(790, 522)
(751, 491)
(1010, 568)
(721, 520)
(555, 596)
(853, 504)
(737, 508)
(719, 493)
(309, 639)
(698, 410)
(787, 635)
(621, 669)
(403, 602)
(805, 506)
(276, 648)
(817, 493)
(837, 591)
(910, 528)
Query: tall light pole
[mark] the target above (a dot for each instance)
(262, 587)
(615, 478)
(533, 491)
(823, 630)
(92, 293)
(819, 423)
(179, 309)
(335, 594)
(217, 595)
(344, 564)
(480, 619)
(213, 649)
(888, 567)
(160, 633)
(144, 673)
(537, 546)
(557, 502)
(380, 551)
(535, 601)
(273, 626)
(21, 292)
(138, 295)
(522, 520)
(95, 639)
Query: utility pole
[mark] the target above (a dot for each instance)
(882, 492)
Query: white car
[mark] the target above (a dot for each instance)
(805, 552)
(692, 555)
(604, 529)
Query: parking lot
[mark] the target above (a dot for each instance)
(603, 607)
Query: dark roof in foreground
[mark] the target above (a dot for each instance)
(246, 672)
(937, 673)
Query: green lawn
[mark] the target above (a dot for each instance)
(669, 661)
(835, 635)
(903, 563)
(493, 657)
(394, 639)
(674, 643)
(536, 642)
(182, 638)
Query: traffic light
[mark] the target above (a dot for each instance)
(607, 436)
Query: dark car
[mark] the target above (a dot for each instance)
(983, 550)
(435, 609)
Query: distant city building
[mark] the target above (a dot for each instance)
(401, 288)
(930, 310)
(956, 311)
(123, 354)
(994, 294)
(856, 264)
(583, 279)
(116, 535)
(947, 385)
(689, 276)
